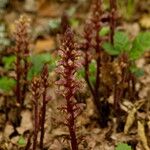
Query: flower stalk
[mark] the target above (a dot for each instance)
(21, 49)
(68, 83)
(35, 86)
(45, 85)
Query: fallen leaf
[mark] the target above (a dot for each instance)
(130, 120)
(26, 122)
(44, 45)
(9, 129)
(142, 136)
(145, 21)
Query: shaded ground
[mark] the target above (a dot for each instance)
(45, 17)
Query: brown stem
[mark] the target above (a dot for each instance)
(36, 123)
(97, 84)
(18, 78)
(25, 82)
(43, 118)
(71, 125)
(113, 7)
(87, 74)
(27, 147)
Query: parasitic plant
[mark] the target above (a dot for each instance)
(113, 17)
(39, 87)
(68, 83)
(93, 50)
(45, 85)
(36, 93)
(21, 49)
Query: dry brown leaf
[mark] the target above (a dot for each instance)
(9, 129)
(44, 45)
(48, 9)
(130, 120)
(26, 122)
(145, 21)
(142, 136)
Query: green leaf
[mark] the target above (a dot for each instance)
(104, 31)
(143, 40)
(123, 146)
(138, 72)
(74, 22)
(6, 84)
(140, 44)
(37, 63)
(121, 42)
(110, 49)
(71, 11)
(92, 71)
(8, 62)
(21, 141)
(54, 23)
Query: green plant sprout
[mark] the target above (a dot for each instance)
(92, 71)
(38, 62)
(135, 49)
(123, 146)
(21, 141)
(8, 62)
(7, 84)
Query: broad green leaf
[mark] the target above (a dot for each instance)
(54, 23)
(104, 31)
(110, 49)
(140, 45)
(92, 71)
(123, 146)
(6, 84)
(81, 73)
(8, 62)
(121, 42)
(74, 22)
(21, 141)
(143, 40)
(37, 63)
(135, 54)
(138, 72)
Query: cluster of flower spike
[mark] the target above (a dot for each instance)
(21, 49)
(68, 65)
(21, 34)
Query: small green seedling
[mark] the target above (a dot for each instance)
(8, 62)
(122, 43)
(92, 72)
(123, 146)
(104, 31)
(54, 24)
(135, 49)
(7, 84)
(21, 141)
(38, 61)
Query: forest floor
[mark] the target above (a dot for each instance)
(45, 15)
